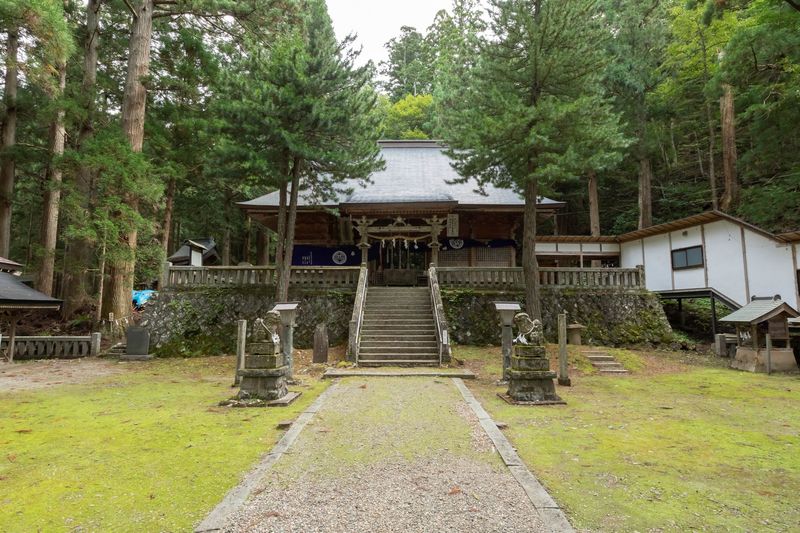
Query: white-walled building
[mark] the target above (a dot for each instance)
(715, 251)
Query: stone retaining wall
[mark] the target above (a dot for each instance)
(202, 321)
(612, 317)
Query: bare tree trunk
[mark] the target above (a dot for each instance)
(7, 168)
(248, 226)
(120, 283)
(645, 193)
(262, 247)
(52, 195)
(730, 196)
(166, 230)
(279, 247)
(712, 176)
(288, 247)
(594, 205)
(530, 265)
(226, 247)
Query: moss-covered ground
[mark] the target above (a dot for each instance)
(675, 446)
(144, 450)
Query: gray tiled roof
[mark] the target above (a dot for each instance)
(416, 172)
(757, 311)
(16, 295)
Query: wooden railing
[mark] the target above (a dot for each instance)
(243, 276)
(442, 335)
(357, 318)
(53, 347)
(567, 278)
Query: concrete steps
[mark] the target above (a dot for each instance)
(605, 363)
(398, 328)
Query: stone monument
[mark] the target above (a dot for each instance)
(264, 374)
(530, 377)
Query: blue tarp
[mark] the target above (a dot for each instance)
(141, 297)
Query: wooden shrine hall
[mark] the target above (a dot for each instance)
(411, 215)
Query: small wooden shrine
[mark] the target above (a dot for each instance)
(762, 336)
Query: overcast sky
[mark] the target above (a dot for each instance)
(377, 21)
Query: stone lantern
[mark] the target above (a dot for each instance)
(288, 314)
(507, 310)
(264, 374)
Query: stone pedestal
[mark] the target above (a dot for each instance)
(530, 377)
(264, 374)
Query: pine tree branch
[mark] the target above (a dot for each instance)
(130, 8)
(794, 3)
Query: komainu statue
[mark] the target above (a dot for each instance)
(530, 331)
(266, 329)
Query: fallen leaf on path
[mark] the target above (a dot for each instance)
(24, 430)
(272, 514)
(11, 457)
(455, 490)
(473, 509)
(364, 386)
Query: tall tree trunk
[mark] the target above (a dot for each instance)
(712, 176)
(248, 227)
(262, 246)
(79, 257)
(226, 246)
(288, 246)
(279, 247)
(7, 168)
(594, 205)
(730, 196)
(645, 168)
(52, 195)
(645, 193)
(530, 266)
(166, 230)
(120, 283)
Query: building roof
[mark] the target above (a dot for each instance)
(7, 265)
(183, 254)
(415, 172)
(760, 310)
(693, 220)
(16, 295)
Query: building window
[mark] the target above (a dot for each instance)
(687, 258)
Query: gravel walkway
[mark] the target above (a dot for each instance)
(389, 454)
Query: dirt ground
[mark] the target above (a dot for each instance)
(29, 375)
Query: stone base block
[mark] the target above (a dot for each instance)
(530, 363)
(531, 375)
(131, 357)
(524, 350)
(263, 348)
(747, 359)
(509, 400)
(264, 361)
(537, 390)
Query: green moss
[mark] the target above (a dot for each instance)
(701, 449)
(147, 450)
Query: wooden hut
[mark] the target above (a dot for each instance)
(16, 297)
(762, 336)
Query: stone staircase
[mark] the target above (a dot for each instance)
(605, 363)
(398, 328)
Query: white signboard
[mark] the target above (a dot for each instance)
(452, 225)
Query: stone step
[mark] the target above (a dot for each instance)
(405, 348)
(398, 311)
(398, 322)
(412, 337)
(398, 329)
(397, 356)
(600, 358)
(612, 371)
(398, 362)
(606, 364)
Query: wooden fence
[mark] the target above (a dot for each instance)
(53, 347)
(513, 278)
(238, 276)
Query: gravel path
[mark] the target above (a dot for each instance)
(390, 455)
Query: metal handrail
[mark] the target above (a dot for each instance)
(442, 336)
(357, 318)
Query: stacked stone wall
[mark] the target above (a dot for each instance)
(202, 321)
(612, 317)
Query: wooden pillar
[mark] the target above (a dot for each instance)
(12, 337)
